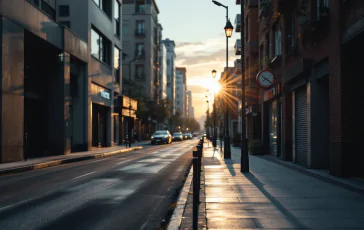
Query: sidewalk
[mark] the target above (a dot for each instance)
(272, 196)
(45, 162)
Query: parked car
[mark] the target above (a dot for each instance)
(177, 136)
(185, 136)
(189, 135)
(160, 137)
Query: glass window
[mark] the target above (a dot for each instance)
(104, 5)
(117, 64)
(140, 26)
(95, 41)
(117, 18)
(64, 11)
(140, 50)
(139, 71)
(125, 27)
(100, 47)
(277, 42)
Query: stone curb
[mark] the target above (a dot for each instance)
(176, 219)
(47, 164)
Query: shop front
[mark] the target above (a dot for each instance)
(129, 119)
(272, 103)
(101, 116)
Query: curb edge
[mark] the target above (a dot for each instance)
(48, 164)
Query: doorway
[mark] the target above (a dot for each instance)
(99, 125)
(41, 70)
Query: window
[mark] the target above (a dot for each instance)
(168, 62)
(66, 23)
(48, 9)
(321, 5)
(125, 27)
(291, 41)
(277, 42)
(100, 47)
(64, 11)
(117, 18)
(104, 5)
(269, 46)
(139, 50)
(140, 7)
(140, 27)
(139, 72)
(117, 64)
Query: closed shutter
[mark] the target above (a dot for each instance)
(301, 126)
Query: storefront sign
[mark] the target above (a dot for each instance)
(104, 94)
(101, 95)
(271, 93)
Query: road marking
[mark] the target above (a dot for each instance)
(125, 161)
(84, 175)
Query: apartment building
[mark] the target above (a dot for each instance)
(141, 43)
(171, 73)
(309, 115)
(163, 72)
(181, 90)
(62, 69)
(190, 110)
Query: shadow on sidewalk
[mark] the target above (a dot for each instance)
(289, 216)
(259, 185)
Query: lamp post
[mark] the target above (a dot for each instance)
(244, 157)
(228, 32)
(129, 94)
(208, 115)
(214, 115)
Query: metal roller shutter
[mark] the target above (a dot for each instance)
(301, 126)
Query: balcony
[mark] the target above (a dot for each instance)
(237, 64)
(238, 23)
(140, 32)
(251, 47)
(237, 47)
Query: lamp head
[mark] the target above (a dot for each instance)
(228, 29)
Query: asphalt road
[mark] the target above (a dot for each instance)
(128, 191)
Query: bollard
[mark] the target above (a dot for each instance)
(196, 197)
(196, 154)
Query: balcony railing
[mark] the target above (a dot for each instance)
(237, 47)
(238, 23)
(140, 32)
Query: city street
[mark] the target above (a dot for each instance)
(127, 191)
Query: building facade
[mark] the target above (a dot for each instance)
(308, 116)
(163, 72)
(171, 73)
(181, 90)
(190, 109)
(64, 84)
(141, 44)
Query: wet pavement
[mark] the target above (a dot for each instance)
(134, 190)
(272, 196)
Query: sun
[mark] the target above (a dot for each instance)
(212, 86)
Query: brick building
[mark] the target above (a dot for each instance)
(311, 115)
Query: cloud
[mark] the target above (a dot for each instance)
(200, 58)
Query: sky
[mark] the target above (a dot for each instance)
(197, 27)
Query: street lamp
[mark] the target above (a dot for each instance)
(244, 157)
(228, 32)
(129, 94)
(214, 116)
(208, 115)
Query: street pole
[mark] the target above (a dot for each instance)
(227, 151)
(244, 158)
(214, 117)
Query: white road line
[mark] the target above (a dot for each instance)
(84, 175)
(126, 161)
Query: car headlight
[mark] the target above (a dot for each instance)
(151, 137)
(166, 136)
